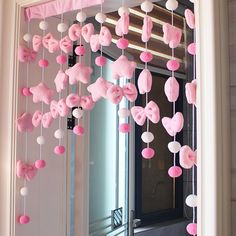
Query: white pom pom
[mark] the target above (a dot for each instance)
(147, 137)
(40, 140)
(59, 134)
(174, 147)
(191, 1)
(24, 191)
(123, 112)
(191, 200)
(27, 37)
(81, 16)
(122, 10)
(172, 5)
(147, 6)
(62, 27)
(43, 25)
(100, 17)
(78, 113)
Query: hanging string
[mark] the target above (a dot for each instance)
(193, 129)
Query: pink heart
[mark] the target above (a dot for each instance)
(173, 125)
(47, 120)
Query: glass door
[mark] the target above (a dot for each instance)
(108, 167)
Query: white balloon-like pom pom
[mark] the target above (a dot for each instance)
(40, 140)
(59, 134)
(122, 10)
(24, 191)
(81, 16)
(100, 17)
(191, 200)
(172, 5)
(147, 6)
(123, 112)
(62, 27)
(27, 37)
(43, 25)
(78, 113)
(147, 137)
(174, 147)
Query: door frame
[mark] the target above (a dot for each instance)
(213, 115)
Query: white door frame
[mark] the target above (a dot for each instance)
(213, 115)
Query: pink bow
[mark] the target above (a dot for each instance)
(173, 125)
(104, 38)
(151, 111)
(52, 44)
(26, 171)
(172, 35)
(115, 93)
(59, 108)
(26, 54)
(74, 100)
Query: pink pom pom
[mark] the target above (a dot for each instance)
(124, 128)
(100, 61)
(61, 59)
(148, 153)
(172, 65)
(26, 92)
(80, 50)
(192, 228)
(122, 43)
(43, 63)
(24, 219)
(146, 57)
(40, 164)
(59, 149)
(78, 130)
(175, 171)
(192, 48)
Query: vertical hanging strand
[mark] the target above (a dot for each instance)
(190, 89)
(124, 112)
(172, 37)
(145, 86)
(24, 219)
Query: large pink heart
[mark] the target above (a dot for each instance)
(173, 125)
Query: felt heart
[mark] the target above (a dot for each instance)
(24, 123)
(173, 125)
(187, 157)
